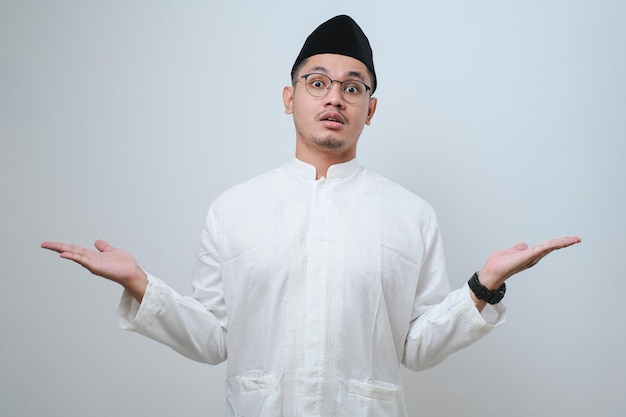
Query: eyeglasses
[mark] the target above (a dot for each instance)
(318, 85)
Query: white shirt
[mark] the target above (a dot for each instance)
(316, 291)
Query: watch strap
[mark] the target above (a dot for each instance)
(484, 293)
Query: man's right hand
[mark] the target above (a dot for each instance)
(108, 262)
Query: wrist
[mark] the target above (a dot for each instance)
(484, 293)
(489, 280)
(137, 284)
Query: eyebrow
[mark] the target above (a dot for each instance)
(353, 74)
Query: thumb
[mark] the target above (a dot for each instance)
(103, 246)
(521, 246)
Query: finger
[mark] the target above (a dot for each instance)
(521, 246)
(75, 253)
(103, 246)
(59, 247)
(560, 243)
(51, 245)
(540, 251)
(570, 240)
(55, 246)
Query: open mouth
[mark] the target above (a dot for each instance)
(332, 118)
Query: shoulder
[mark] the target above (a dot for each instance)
(255, 186)
(404, 220)
(398, 197)
(248, 198)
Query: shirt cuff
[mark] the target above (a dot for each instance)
(135, 316)
(492, 315)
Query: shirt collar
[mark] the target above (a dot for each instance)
(342, 170)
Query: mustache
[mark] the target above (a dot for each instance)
(332, 115)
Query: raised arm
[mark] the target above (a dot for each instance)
(108, 262)
(503, 264)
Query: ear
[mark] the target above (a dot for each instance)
(288, 99)
(371, 110)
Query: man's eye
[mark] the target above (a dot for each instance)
(317, 84)
(352, 89)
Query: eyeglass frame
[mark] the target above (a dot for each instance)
(330, 86)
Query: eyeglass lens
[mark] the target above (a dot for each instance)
(318, 85)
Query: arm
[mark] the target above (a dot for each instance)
(108, 262)
(503, 264)
(454, 323)
(182, 323)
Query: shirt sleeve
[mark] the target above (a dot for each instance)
(193, 326)
(443, 321)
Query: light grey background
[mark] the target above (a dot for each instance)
(123, 119)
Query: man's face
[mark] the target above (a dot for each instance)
(329, 125)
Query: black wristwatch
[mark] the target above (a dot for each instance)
(485, 294)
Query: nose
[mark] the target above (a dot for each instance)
(334, 96)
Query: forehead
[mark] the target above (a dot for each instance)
(337, 67)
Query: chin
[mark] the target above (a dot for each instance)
(330, 144)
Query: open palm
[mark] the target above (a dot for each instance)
(502, 264)
(108, 261)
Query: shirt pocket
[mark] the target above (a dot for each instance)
(253, 394)
(371, 398)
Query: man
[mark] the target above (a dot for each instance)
(317, 279)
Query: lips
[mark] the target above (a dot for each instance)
(332, 119)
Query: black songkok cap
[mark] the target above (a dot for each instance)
(339, 35)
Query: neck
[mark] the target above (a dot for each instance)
(322, 160)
